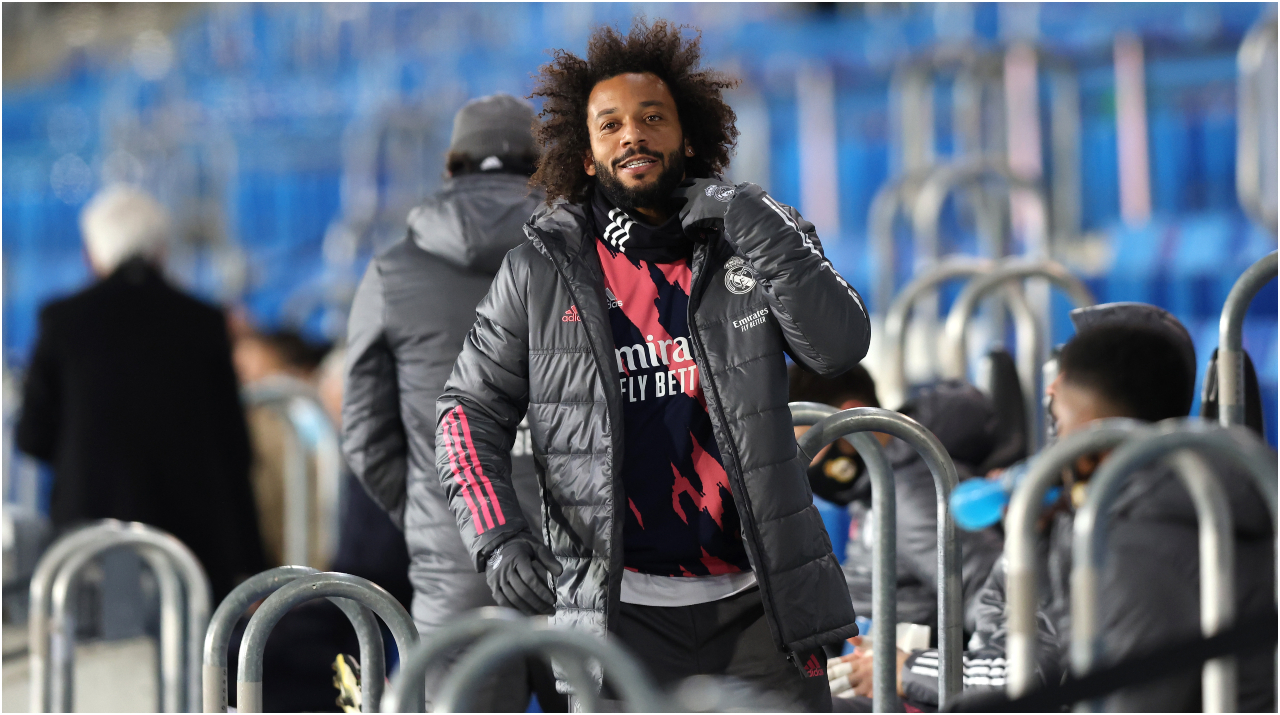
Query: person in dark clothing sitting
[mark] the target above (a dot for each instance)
(1135, 361)
(131, 397)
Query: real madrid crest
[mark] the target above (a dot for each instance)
(737, 276)
(721, 193)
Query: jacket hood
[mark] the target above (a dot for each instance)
(475, 219)
(961, 417)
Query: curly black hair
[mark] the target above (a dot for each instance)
(659, 48)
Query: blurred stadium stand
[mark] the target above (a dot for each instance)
(290, 140)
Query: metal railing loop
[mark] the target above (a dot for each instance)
(884, 571)
(1044, 470)
(950, 592)
(414, 667)
(1216, 538)
(1230, 339)
(894, 387)
(217, 640)
(306, 588)
(572, 650)
(177, 571)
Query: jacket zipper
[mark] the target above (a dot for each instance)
(739, 487)
(615, 539)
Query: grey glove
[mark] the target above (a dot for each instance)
(705, 201)
(517, 574)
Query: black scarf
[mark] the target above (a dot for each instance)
(621, 232)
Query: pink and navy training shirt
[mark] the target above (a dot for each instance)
(681, 519)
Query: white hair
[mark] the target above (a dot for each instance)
(122, 222)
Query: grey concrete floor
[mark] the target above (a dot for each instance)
(116, 676)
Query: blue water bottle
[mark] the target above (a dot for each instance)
(979, 503)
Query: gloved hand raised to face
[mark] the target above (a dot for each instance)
(517, 574)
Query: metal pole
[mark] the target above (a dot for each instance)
(1020, 538)
(311, 437)
(38, 618)
(1092, 524)
(1230, 339)
(927, 211)
(414, 666)
(110, 535)
(1256, 55)
(172, 680)
(217, 639)
(624, 671)
(894, 387)
(884, 571)
(955, 352)
(950, 592)
(306, 588)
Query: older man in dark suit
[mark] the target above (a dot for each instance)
(131, 397)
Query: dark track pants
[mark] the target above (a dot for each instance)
(727, 637)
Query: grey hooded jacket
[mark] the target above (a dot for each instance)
(542, 345)
(411, 313)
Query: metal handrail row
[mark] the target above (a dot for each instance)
(414, 667)
(1135, 444)
(50, 590)
(217, 639)
(950, 591)
(1216, 538)
(894, 387)
(884, 571)
(300, 590)
(955, 353)
(1231, 339)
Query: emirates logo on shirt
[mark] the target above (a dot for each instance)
(571, 315)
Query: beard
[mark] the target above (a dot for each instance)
(654, 195)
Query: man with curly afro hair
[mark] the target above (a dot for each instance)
(641, 330)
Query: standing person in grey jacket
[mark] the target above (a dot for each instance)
(407, 325)
(642, 330)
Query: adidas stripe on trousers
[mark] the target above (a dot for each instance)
(726, 637)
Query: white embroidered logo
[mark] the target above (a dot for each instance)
(751, 321)
(721, 193)
(737, 276)
(612, 299)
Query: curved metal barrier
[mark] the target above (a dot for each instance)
(884, 571)
(217, 639)
(52, 669)
(311, 437)
(305, 588)
(1217, 566)
(893, 388)
(955, 359)
(414, 666)
(950, 592)
(571, 650)
(1256, 94)
(1020, 538)
(1230, 339)
(927, 212)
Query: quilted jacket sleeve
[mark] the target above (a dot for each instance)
(373, 435)
(477, 416)
(823, 318)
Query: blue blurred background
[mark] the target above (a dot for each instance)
(290, 140)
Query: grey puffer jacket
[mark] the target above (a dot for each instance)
(408, 322)
(542, 344)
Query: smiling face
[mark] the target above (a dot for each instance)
(637, 143)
